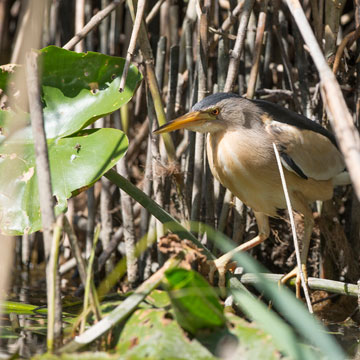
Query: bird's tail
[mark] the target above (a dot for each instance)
(342, 179)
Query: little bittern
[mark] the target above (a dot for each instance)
(240, 137)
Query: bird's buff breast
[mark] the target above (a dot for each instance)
(248, 169)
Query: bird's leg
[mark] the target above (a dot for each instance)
(221, 264)
(308, 227)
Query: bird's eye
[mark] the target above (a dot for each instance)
(215, 111)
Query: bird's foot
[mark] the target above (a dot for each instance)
(221, 265)
(295, 273)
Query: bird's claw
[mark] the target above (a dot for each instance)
(221, 266)
(295, 273)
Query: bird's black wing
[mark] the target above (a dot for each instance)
(289, 117)
(292, 164)
(306, 148)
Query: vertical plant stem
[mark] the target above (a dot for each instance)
(106, 217)
(202, 92)
(132, 263)
(29, 34)
(152, 82)
(225, 210)
(158, 188)
(293, 228)
(284, 53)
(135, 31)
(26, 242)
(333, 11)
(147, 188)
(197, 179)
(90, 224)
(53, 274)
(79, 22)
(317, 20)
(222, 63)
(41, 150)
(189, 173)
(239, 221)
(44, 184)
(159, 179)
(127, 213)
(89, 283)
(89, 38)
(258, 48)
(6, 268)
(302, 64)
(144, 214)
(160, 61)
(104, 30)
(172, 85)
(174, 21)
(238, 47)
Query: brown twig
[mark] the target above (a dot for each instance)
(222, 33)
(154, 11)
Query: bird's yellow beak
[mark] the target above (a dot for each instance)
(183, 122)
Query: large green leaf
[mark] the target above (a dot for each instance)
(152, 334)
(76, 162)
(77, 89)
(195, 302)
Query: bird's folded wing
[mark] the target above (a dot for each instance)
(305, 152)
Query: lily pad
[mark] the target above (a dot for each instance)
(77, 89)
(76, 162)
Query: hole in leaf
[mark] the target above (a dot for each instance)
(169, 316)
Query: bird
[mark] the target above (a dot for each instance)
(239, 141)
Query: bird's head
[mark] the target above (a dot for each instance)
(216, 112)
